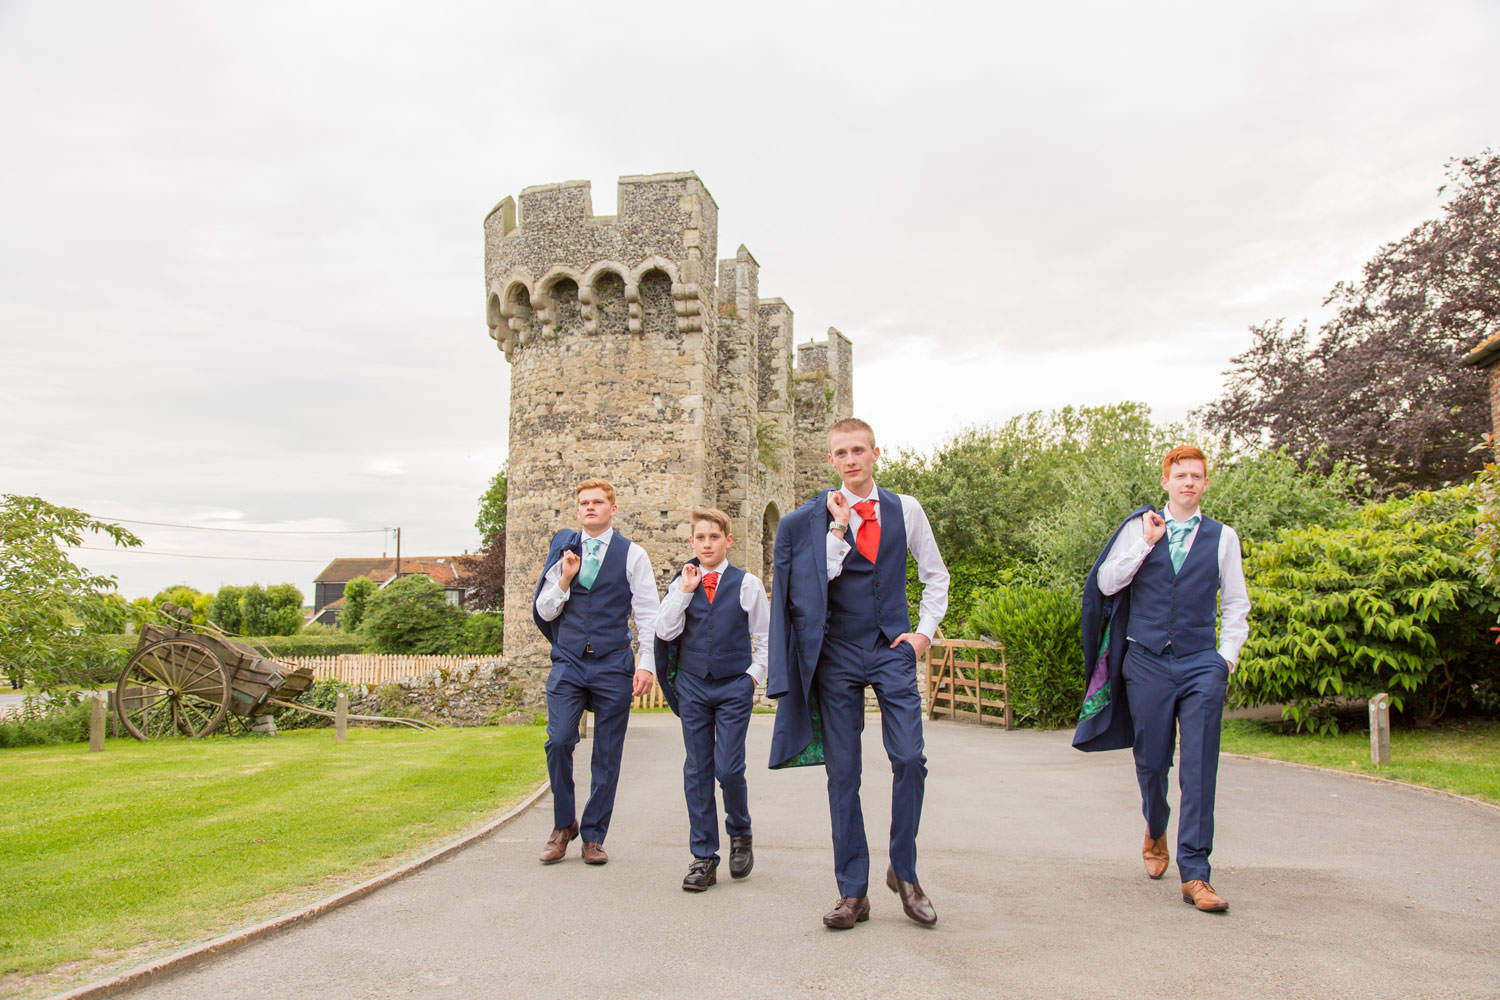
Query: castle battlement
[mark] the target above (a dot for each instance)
(638, 356)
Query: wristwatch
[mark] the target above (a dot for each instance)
(838, 527)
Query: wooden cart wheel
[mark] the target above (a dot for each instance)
(170, 687)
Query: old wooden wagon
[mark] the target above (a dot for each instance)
(188, 680)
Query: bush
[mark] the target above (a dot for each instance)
(323, 695)
(1040, 629)
(357, 593)
(1390, 602)
(59, 718)
(412, 615)
(482, 635)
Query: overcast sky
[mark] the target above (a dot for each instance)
(241, 272)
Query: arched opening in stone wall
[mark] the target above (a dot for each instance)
(518, 306)
(658, 319)
(609, 301)
(493, 318)
(768, 542)
(567, 314)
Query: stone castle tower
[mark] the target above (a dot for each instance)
(630, 361)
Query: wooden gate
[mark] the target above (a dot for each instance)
(966, 687)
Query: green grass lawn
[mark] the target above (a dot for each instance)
(1458, 757)
(108, 858)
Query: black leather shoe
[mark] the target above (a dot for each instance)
(741, 856)
(701, 874)
(847, 912)
(913, 900)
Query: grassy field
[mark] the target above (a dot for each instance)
(1459, 757)
(108, 858)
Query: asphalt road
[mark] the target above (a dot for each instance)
(1030, 850)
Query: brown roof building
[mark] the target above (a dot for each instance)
(328, 586)
(1486, 357)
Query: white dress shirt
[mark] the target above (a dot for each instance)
(643, 601)
(673, 617)
(1130, 551)
(919, 542)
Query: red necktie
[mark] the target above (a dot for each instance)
(710, 584)
(867, 539)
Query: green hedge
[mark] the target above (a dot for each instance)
(1040, 629)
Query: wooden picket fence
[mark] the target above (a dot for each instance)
(958, 688)
(373, 669)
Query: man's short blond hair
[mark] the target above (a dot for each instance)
(714, 516)
(596, 484)
(1183, 453)
(849, 425)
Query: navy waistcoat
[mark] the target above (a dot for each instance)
(868, 599)
(598, 616)
(1177, 609)
(716, 636)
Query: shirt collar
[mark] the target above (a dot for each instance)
(854, 499)
(1166, 512)
(583, 536)
(723, 565)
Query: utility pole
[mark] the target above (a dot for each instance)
(398, 555)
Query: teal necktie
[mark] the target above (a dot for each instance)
(1177, 535)
(593, 558)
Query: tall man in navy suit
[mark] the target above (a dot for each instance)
(593, 581)
(839, 623)
(1170, 574)
(710, 653)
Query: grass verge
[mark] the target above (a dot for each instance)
(1462, 757)
(109, 858)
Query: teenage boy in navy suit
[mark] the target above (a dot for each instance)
(840, 623)
(1174, 678)
(594, 579)
(711, 653)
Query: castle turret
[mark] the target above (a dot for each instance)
(629, 362)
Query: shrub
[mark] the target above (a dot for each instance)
(1040, 629)
(357, 594)
(412, 615)
(482, 635)
(60, 718)
(1388, 603)
(323, 695)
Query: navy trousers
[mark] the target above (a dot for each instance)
(715, 719)
(845, 668)
(1169, 692)
(602, 685)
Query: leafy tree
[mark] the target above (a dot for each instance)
(412, 615)
(483, 575)
(491, 519)
(1388, 602)
(483, 634)
(45, 599)
(275, 610)
(356, 600)
(1380, 386)
(224, 609)
(185, 597)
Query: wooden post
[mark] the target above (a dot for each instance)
(1005, 688)
(1380, 729)
(341, 716)
(96, 723)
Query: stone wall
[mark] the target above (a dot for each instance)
(480, 692)
(633, 360)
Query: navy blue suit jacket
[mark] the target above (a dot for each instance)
(564, 541)
(1104, 721)
(799, 617)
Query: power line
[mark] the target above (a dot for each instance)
(249, 531)
(189, 555)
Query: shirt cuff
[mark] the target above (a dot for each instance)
(757, 673)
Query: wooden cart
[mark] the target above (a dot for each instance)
(187, 680)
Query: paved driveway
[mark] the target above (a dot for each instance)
(1030, 850)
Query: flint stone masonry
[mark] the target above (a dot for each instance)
(477, 693)
(634, 358)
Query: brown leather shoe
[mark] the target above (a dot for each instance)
(1154, 852)
(913, 900)
(848, 912)
(557, 845)
(1202, 895)
(593, 854)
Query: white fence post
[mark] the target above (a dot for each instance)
(1380, 729)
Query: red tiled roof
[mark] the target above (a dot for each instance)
(1486, 355)
(440, 569)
